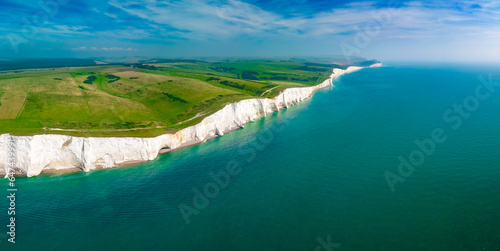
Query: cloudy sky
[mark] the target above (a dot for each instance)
(386, 30)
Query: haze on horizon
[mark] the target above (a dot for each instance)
(439, 31)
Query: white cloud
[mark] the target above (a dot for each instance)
(203, 19)
(84, 48)
(458, 26)
(117, 49)
(110, 15)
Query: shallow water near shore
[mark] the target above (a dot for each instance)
(310, 174)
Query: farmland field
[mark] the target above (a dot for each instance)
(143, 99)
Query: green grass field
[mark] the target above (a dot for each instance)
(146, 99)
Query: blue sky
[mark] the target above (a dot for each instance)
(386, 30)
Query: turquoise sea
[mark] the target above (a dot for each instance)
(321, 175)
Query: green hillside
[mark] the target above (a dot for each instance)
(144, 99)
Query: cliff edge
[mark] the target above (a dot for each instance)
(33, 154)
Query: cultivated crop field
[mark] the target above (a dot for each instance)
(144, 99)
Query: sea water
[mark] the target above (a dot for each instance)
(391, 158)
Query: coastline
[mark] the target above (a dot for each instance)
(50, 153)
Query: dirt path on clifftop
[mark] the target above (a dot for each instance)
(268, 90)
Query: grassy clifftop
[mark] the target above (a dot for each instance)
(144, 99)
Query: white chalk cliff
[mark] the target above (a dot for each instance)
(33, 154)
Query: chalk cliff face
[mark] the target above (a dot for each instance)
(33, 154)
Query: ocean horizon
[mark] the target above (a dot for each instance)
(402, 157)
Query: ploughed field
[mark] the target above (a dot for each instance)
(144, 99)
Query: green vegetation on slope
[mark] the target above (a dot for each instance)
(145, 99)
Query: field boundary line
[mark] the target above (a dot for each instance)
(24, 104)
(83, 93)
